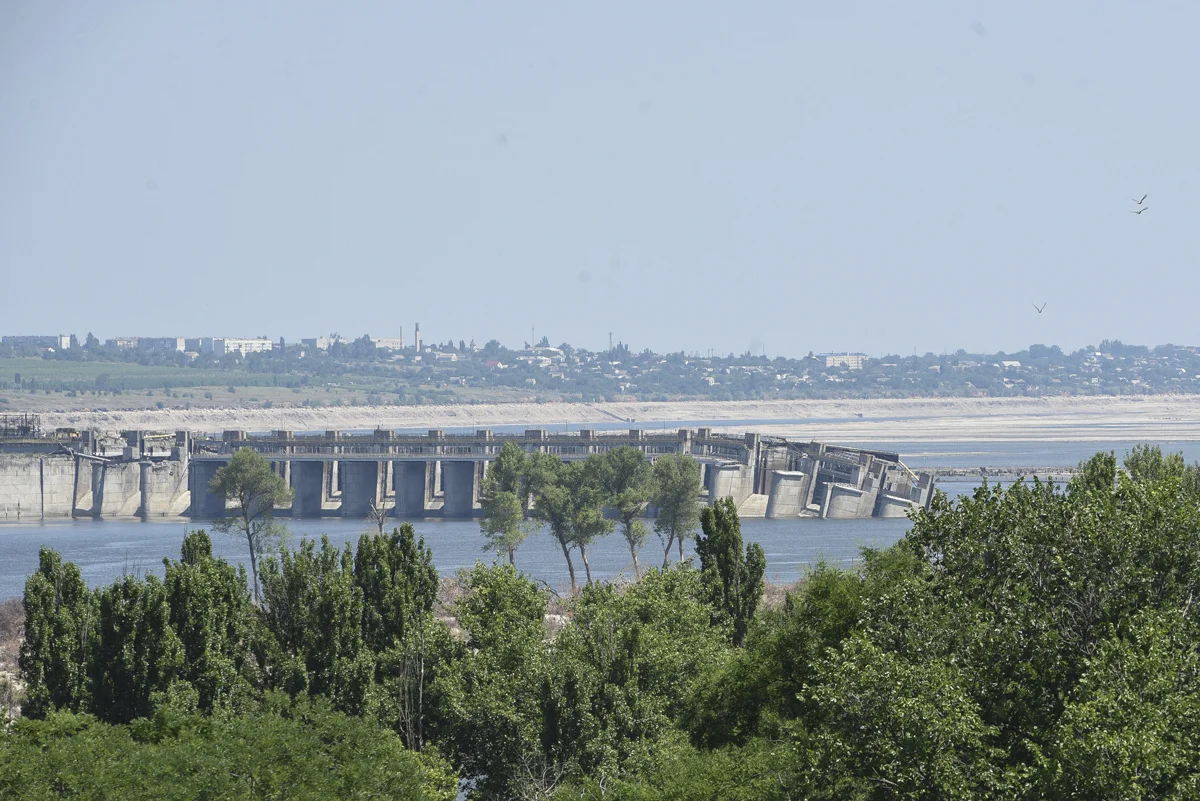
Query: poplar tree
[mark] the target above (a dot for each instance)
(733, 578)
(59, 628)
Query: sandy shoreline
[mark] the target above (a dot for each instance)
(1060, 419)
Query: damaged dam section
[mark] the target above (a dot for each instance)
(338, 474)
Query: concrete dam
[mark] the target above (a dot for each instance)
(334, 473)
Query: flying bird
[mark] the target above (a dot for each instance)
(1039, 308)
(1139, 211)
(1139, 202)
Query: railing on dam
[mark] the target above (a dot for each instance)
(483, 445)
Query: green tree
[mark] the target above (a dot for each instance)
(286, 749)
(585, 486)
(621, 673)
(398, 581)
(733, 579)
(1098, 473)
(503, 496)
(489, 715)
(555, 505)
(504, 524)
(1147, 463)
(1131, 729)
(136, 652)
(256, 490)
(211, 613)
(895, 728)
(763, 687)
(677, 497)
(59, 629)
(399, 587)
(628, 482)
(315, 610)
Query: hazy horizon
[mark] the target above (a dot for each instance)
(686, 176)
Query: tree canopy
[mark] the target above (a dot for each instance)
(1024, 642)
(255, 490)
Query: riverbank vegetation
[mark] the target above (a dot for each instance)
(1027, 642)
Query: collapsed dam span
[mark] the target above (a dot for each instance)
(333, 473)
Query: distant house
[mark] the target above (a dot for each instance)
(320, 343)
(1011, 365)
(223, 346)
(851, 361)
(57, 341)
(178, 344)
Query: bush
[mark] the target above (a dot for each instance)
(285, 749)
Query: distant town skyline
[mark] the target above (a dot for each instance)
(247, 344)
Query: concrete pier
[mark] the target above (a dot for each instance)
(205, 504)
(412, 487)
(308, 488)
(460, 487)
(360, 488)
(730, 480)
(164, 488)
(790, 494)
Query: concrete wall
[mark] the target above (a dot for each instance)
(308, 488)
(843, 501)
(789, 494)
(164, 488)
(774, 480)
(37, 486)
(460, 487)
(892, 506)
(730, 480)
(117, 488)
(204, 504)
(360, 488)
(412, 488)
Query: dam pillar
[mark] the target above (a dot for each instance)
(846, 501)
(461, 487)
(308, 488)
(730, 480)
(412, 488)
(360, 488)
(163, 488)
(205, 504)
(789, 494)
(84, 504)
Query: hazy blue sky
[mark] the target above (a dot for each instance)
(688, 175)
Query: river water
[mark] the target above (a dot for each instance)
(108, 549)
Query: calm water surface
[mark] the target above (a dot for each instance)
(106, 550)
